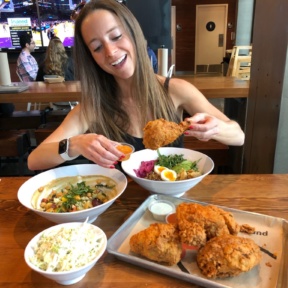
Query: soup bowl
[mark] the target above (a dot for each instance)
(26, 193)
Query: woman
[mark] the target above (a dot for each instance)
(56, 62)
(121, 93)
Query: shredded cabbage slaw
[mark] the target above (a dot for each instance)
(66, 249)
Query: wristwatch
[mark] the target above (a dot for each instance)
(63, 149)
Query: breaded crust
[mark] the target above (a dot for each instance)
(198, 223)
(160, 132)
(227, 256)
(159, 242)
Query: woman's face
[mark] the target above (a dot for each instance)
(109, 44)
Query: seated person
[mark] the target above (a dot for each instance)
(56, 62)
(27, 66)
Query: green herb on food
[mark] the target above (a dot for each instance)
(70, 199)
(186, 165)
(169, 161)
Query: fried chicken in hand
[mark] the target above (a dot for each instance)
(160, 132)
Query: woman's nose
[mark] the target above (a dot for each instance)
(110, 49)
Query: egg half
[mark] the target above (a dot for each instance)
(168, 175)
(158, 169)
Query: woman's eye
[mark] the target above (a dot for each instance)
(97, 49)
(117, 37)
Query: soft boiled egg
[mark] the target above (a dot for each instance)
(158, 169)
(168, 175)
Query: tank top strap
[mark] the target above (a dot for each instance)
(166, 83)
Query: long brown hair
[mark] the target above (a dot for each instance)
(100, 101)
(56, 58)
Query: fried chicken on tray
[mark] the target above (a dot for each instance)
(160, 132)
(159, 242)
(227, 256)
(220, 254)
(197, 224)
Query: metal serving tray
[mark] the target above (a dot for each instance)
(271, 235)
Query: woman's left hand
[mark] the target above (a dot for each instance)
(203, 126)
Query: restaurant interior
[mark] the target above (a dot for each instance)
(242, 31)
(249, 84)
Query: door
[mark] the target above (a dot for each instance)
(210, 40)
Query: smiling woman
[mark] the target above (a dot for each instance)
(120, 93)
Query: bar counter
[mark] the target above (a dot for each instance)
(266, 194)
(211, 87)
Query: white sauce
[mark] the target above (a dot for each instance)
(161, 208)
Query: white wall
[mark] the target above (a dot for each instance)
(281, 153)
(244, 22)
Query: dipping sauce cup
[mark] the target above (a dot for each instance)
(126, 149)
(161, 208)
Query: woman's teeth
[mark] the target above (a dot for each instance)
(119, 60)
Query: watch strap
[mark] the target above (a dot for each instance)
(64, 154)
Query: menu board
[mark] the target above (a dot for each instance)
(18, 26)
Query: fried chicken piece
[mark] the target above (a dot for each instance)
(246, 228)
(228, 255)
(160, 132)
(159, 242)
(197, 224)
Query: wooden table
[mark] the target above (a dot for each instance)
(211, 87)
(267, 194)
(220, 86)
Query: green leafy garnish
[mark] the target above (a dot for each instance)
(186, 165)
(176, 162)
(80, 189)
(169, 161)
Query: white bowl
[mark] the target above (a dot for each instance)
(75, 275)
(176, 188)
(27, 190)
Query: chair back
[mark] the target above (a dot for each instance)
(19, 76)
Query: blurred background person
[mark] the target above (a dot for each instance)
(153, 59)
(56, 62)
(27, 66)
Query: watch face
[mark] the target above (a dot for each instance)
(62, 146)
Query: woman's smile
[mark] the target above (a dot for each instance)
(120, 62)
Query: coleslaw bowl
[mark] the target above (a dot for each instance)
(171, 188)
(96, 248)
(27, 191)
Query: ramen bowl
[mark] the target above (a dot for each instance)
(30, 197)
(171, 188)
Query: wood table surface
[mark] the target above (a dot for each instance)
(266, 194)
(211, 87)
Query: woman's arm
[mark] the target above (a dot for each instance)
(96, 148)
(207, 122)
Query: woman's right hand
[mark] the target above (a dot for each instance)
(96, 148)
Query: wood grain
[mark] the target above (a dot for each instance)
(267, 194)
(211, 87)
